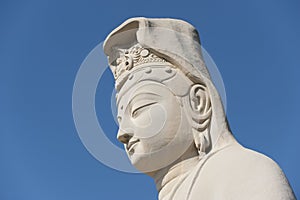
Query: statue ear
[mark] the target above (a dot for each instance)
(201, 111)
(199, 99)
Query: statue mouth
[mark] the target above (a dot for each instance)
(131, 144)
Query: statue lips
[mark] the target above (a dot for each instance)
(131, 145)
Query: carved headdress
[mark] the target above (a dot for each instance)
(141, 40)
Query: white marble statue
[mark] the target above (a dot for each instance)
(172, 122)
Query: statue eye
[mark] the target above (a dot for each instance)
(138, 108)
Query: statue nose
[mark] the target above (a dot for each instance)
(124, 136)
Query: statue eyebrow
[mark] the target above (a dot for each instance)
(143, 93)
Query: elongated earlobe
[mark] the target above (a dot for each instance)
(201, 111)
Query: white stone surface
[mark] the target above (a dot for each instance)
(172, 122)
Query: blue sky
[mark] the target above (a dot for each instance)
(255, 45)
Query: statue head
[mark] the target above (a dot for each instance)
(167, 104)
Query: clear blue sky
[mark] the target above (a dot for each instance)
(255, 45)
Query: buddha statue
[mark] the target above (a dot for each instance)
(172, 122)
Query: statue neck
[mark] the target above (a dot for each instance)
(172, 176)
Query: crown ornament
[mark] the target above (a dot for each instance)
(133, 57)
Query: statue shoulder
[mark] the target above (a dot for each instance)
(240, 173)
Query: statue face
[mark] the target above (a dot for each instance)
(152, 126)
